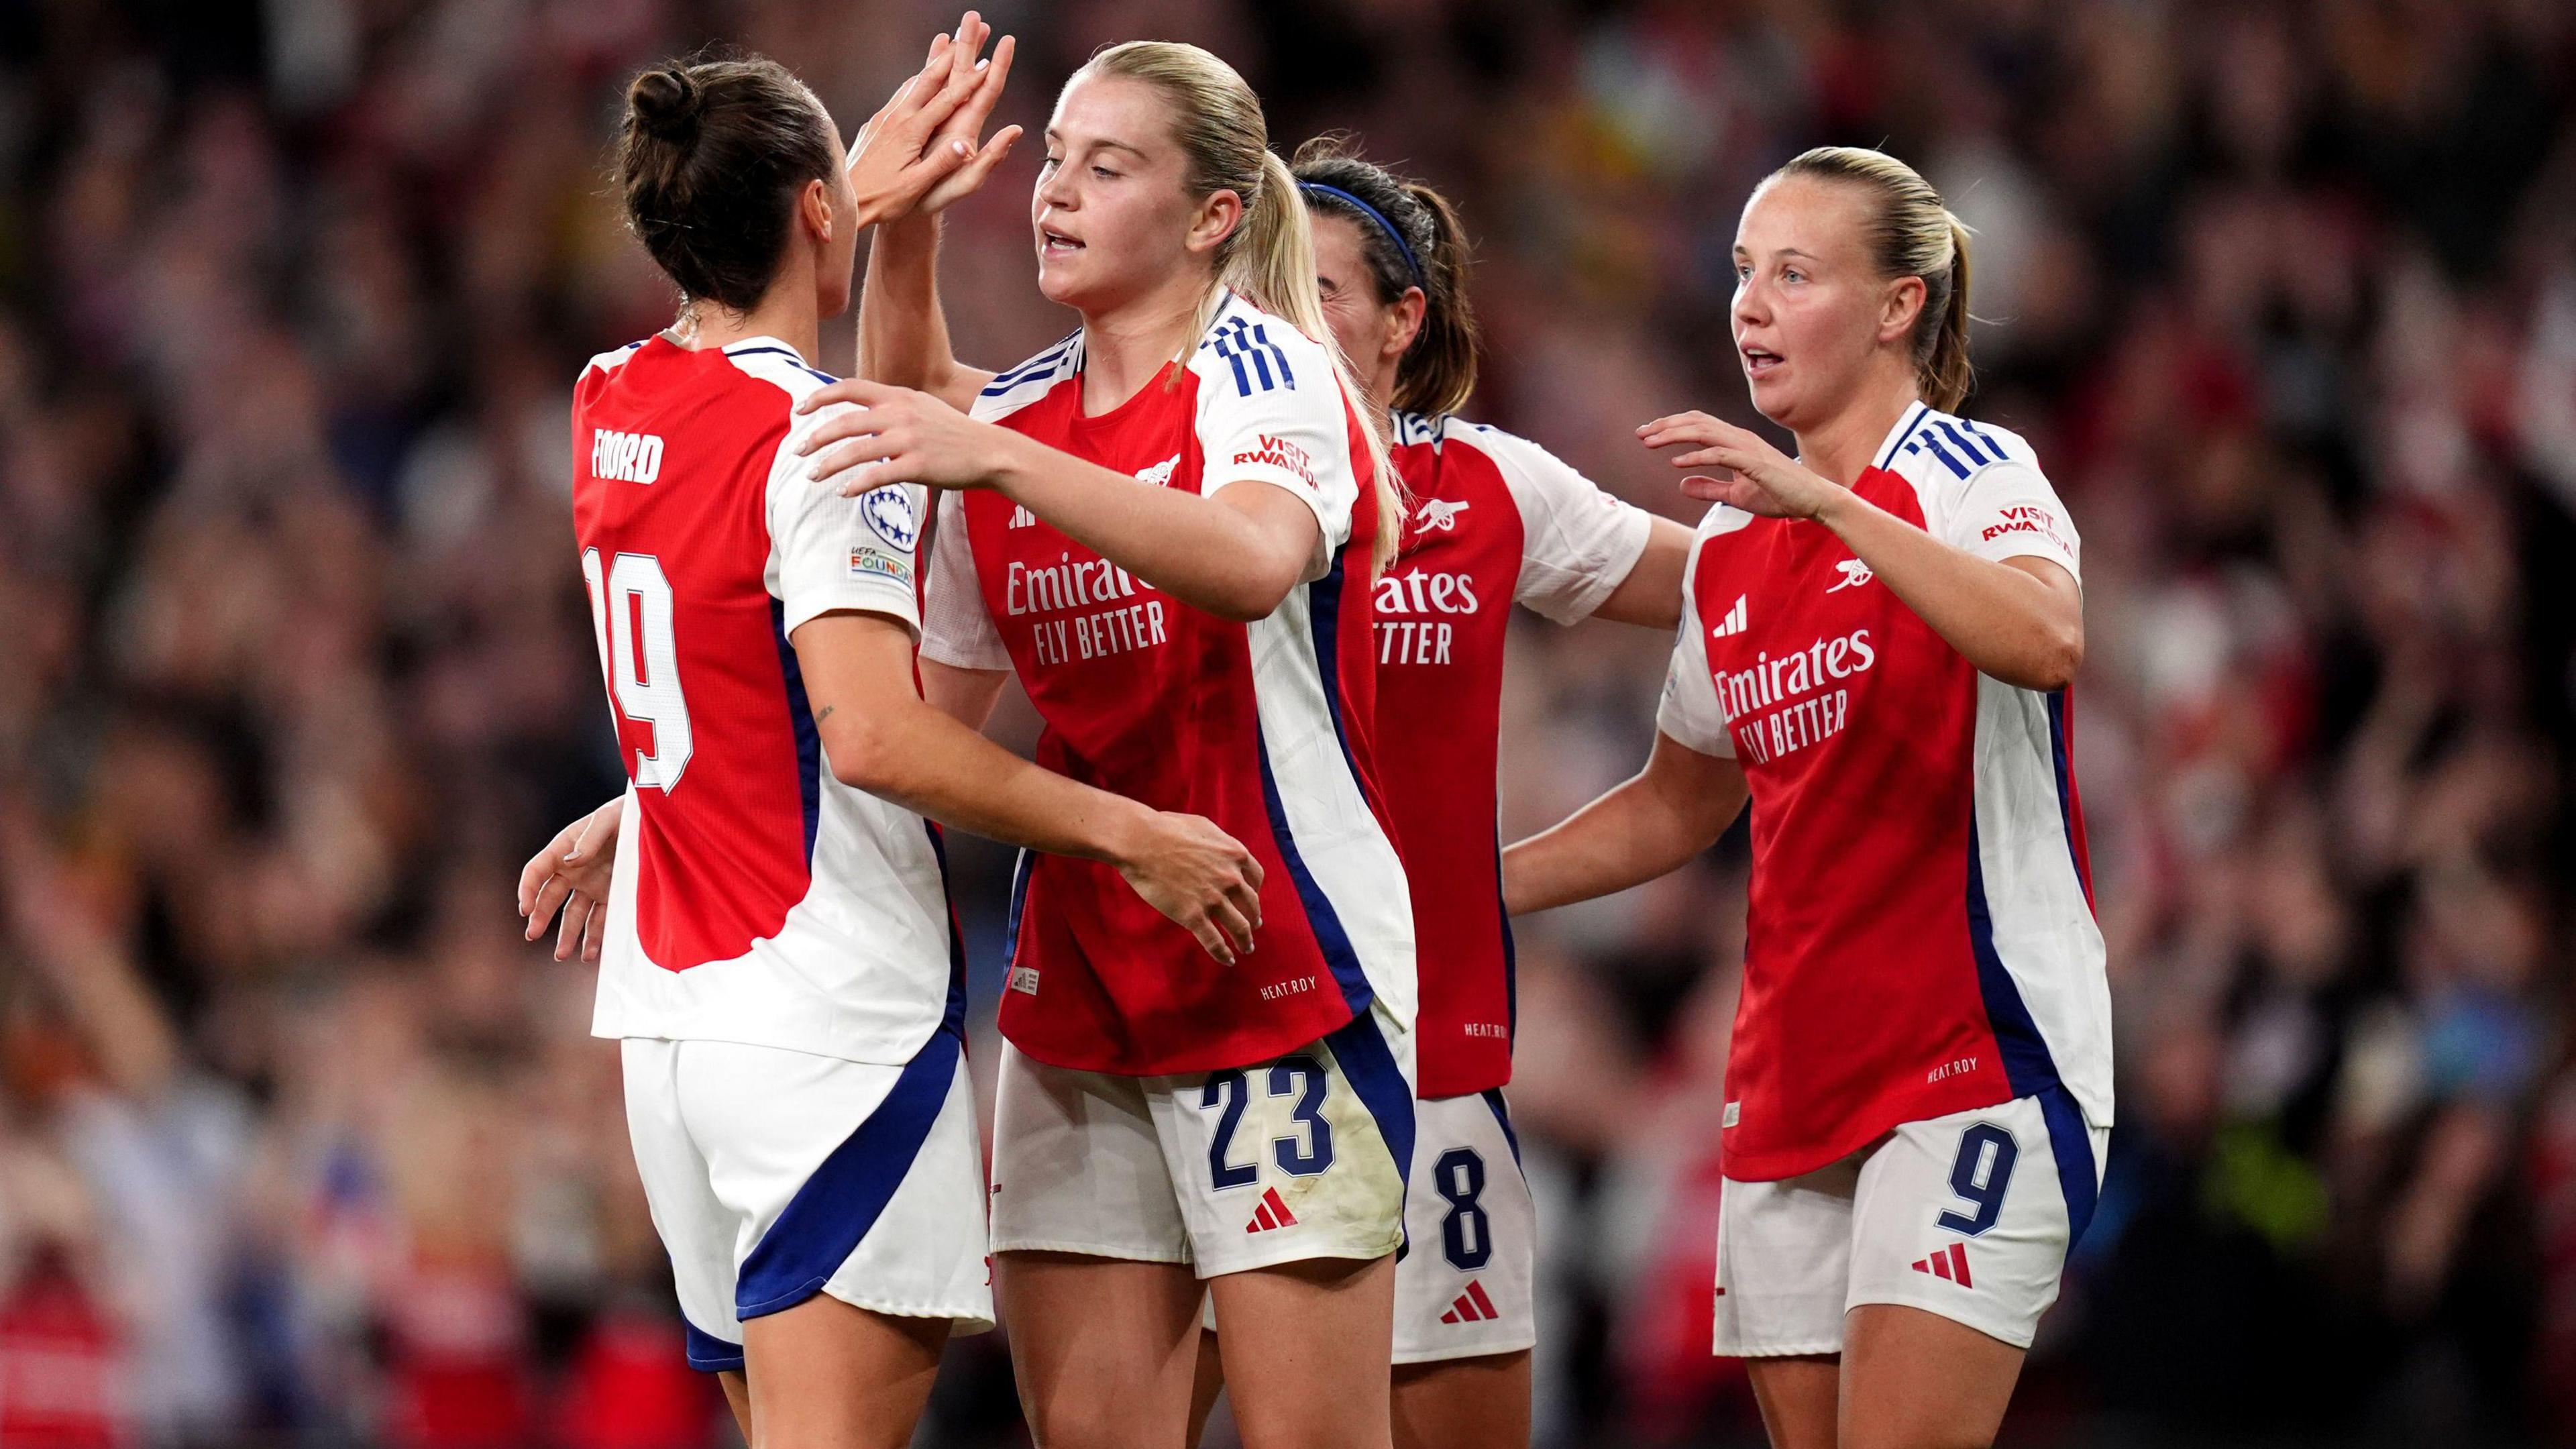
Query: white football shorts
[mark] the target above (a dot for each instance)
(774, 1175)
(1469, 1285)
(1299, 1157)
(1466, 1286)
(1969, 1216)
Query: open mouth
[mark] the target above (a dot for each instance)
(1757, 362)
(1054, 243)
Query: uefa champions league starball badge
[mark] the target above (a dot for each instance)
(889, 511)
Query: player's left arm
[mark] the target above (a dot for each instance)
(1584, 550)
(1651, 594)
(1235, 553)
(2018, 618)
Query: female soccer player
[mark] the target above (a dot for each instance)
(1494, 519)
(1877, 642)
(1169, 532)
(779, 960)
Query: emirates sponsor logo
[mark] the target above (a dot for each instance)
(1787, 702)
(1419, 592)
(1409, 629)
(1094, 593)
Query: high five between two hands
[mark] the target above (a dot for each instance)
(925, 150)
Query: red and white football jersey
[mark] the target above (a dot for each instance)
(1264, 728)
(757, 899)
(1494, 519)
(1922, 938)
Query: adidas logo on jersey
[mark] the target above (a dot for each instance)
(1733, 623)
(1950, 1263)
(1022, 518)
(1160, 474)
(1439, 515)
(1271, 1214)
(1472, 1306)
(628, 457)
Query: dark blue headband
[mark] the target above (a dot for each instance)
(1412, 263)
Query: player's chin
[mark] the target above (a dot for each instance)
(1062, 278)
(1775, 397)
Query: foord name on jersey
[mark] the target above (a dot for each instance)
(757, 899)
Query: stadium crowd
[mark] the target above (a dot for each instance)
(299, 1143)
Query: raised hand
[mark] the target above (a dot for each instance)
(1201, 878)
(1744, 470)
(906, 148)
(966, 124)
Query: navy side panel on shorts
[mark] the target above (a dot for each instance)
(709, 1354)
(823, 1223)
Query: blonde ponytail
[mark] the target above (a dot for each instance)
(1269, 257)
(1911, 234)
(1945, 371)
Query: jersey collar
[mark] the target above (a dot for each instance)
(766, 344)
(1911, 419)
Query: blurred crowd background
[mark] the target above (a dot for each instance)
(300, 1145)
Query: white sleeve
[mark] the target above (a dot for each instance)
(956, 627)
(1577, 541)
(1263, 421)
(1690, 712)
(828, 552)
(2007, 510)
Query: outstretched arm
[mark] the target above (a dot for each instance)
(903, 330)
(880, 736)
(1674, 808)
(1235, 554)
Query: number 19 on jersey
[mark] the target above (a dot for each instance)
(630, 613)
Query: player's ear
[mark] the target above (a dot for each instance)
(814, 209)
(1219, 213)
(1899, 305)
(1406, 323)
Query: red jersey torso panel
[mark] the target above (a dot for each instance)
(1493, 518)
(1264, 728)
(1920, 940)
(756, 898)
(681, 567)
